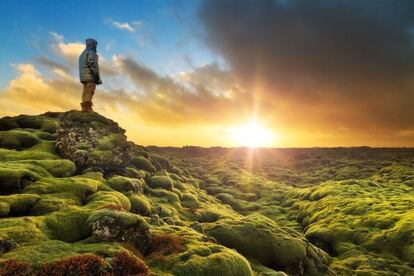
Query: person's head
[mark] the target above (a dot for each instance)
(90, 42)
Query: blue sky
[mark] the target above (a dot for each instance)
(166, 36)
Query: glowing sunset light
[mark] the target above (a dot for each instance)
(252, 135)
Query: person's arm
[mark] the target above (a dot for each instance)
(92, 61)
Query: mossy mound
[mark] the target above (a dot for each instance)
(18, 204)
(161, 181)
(143, 163)
(46, 122)
(15, 178)
(17, 140)
(211, 262)
(68, 225)
(260, 238)
(140, 205)
(126, 184)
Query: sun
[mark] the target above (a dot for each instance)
(252, 135)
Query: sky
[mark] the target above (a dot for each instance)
(283, 73)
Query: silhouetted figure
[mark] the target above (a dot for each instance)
(89, 73)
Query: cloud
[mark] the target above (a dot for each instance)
(323, 65)
(188, 100)
(50, 64)
(70, 51)
(124, 26)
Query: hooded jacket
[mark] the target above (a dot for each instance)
(88, 63)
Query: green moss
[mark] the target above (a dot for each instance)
(68, 225)
(224, 262)
(52, 250)
(125, 184)
(237, 204)
(22, 230)
(76, 189)
(44, 123)
(57, 168)
(143, 163)
(165, 196)
(123, 218)
(17, 139)
(260, 269)
(32, 122)
(209, 215)
(48, 205)
(4, 209)
(20, 204)
(112, 140)
(93, 175)
(260, 238)
(180, 186)
(140, 205)
(46, 136)
(7, 123)
(160, 162)
(161, 181)
(190, 201)
(30, 154)
(87, 118)
(15, 177)
(135, 173)
(102, 199)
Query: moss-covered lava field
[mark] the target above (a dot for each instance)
(76, 198)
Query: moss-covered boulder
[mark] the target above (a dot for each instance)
(17, 139)
(126, 184)
(161, 181)
(68, 225)
(14, 180)
(19, 204)
(258, 237)
(121, 226)
(142, 163)
(140, 205)
(92, 141)
(190, 201)
(212, 261)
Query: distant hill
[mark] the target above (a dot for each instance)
(78, 197)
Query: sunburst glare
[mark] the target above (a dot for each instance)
(252, 134)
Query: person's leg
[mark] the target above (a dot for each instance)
(84, 92)
(89, 91)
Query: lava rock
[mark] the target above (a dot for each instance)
(6, 245)
(113, 225)
(92, 141)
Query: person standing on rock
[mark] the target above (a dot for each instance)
(89, 73)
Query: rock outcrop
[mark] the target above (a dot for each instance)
(92, 142)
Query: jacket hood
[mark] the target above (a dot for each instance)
(90, 42)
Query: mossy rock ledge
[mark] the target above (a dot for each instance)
(92, 142)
